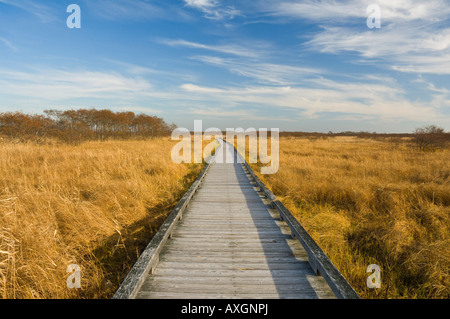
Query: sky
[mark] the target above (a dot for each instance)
(311, 65)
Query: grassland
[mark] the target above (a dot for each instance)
(96, 204)
(372, 202)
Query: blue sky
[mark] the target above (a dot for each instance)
(307, 65)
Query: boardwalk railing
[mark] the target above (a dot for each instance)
(319, 261)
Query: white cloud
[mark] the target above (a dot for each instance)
(220, 113)
(213, 9)
(403, 48)
(233, 49)
(8, 44)
(414, 36)
(371, 97)
(36, 8)
(392, 11)
(125, 9)
(189, 87)
(54, 84)
(388, 41)
(200, 4)
(324, 96)
(262, 72)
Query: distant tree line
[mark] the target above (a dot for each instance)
(81, 125)
(427, 138)
(362, 134)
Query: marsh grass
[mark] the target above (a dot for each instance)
(368, 202)
(96, 204)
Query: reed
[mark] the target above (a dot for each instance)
(96, 205)
(368, 202)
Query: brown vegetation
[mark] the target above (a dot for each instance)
(366, 200)
(76, 126)
(96, 204)
(369, 201)
(431, 138)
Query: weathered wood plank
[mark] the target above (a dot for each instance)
(206, 295)
(230, 258)
(305, 280)
(224, 236)
(241, 272)
(236, 253)
(238, 246)
(235, 289)
(234, 265)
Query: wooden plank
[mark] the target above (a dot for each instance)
(225, 259)
(234, 226)
(205, 231)
(262, 281)
(236, 253)
(229, 217)
(235, 265)
(238, 272)
(245, 242)
(299, 290)
(187, 295)
(228, 235)
(241, 246)
(231, 233)
(251, 223)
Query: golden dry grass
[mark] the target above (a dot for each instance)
(372, 202)
(96, 205)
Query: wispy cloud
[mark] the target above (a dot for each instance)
(8, 44)
(262, 72)
(56, 84)
(429, 85)
(220, 112)
(325, 96)
(232, 49)
(213, 9)
(234, 113)
(43, 12)
(414, 36)
(126, 9)
(402, 48)
(333, 11)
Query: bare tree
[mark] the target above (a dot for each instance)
(431, 137)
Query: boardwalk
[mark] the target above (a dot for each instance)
(231, 244)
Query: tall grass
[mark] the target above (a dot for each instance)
(372, 202)
(95, 205)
